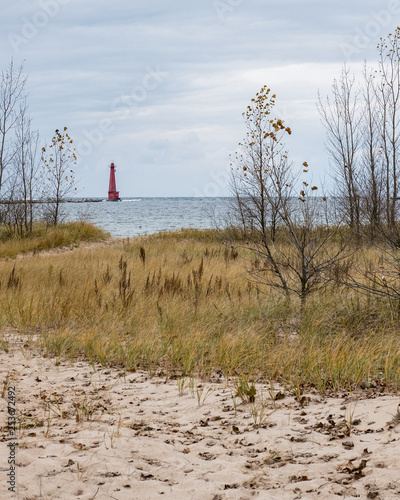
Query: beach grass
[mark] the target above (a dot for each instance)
(45, 237)
(180, 304)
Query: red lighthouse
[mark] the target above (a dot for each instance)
(113, 194)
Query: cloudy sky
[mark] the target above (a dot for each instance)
(159, 86)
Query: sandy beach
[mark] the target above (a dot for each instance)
(85, 432)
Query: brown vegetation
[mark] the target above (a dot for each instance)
(173, 304)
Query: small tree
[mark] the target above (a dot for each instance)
(262, 180)
(294, 250)
(59, 160)
(24, 172)
(388, 97)
(372, 175)
(12, 91)
(341, 118)
(363, 141)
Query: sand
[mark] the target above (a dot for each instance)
(88, 432)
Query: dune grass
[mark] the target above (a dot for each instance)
(182, 305)
(47, 238)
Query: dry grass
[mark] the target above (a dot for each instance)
(181, 304)
(47, 238)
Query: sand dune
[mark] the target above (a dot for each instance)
(92, 432)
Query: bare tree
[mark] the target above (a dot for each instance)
(12, 91)
(341, 118)
(372, 178)
(388, 98)
(363, 141)
(19, 160)
(25, 169)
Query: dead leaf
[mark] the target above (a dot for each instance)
(348, 445)
(297, 479)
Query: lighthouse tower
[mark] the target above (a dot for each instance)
(113, 194)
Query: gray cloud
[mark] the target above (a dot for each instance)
(159, 86)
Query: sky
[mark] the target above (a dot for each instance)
(159, 86)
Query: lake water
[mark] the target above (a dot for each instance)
(135, 216)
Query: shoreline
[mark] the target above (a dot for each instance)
(72, 200)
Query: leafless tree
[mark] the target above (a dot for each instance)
(12, 91)
(388, 98)
(342, 118)
(371, 177)
(25, 169)
(19, 160)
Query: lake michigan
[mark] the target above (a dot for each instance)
(138, 216)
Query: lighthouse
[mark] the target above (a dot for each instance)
(113, 194)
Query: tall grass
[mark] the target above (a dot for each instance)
(47, 238)
(174, 304)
